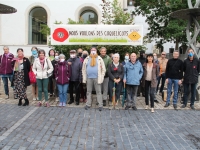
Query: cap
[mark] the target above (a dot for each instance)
(72, 51)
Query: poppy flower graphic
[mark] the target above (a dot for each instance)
(60, 34)
(115, 69)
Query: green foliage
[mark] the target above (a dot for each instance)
(161, 25)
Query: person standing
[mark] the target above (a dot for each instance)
(6, 69)
(155, 59)
(34, 51)
(191, 69)
(126, 58)
(104, 86)
(42, 68)
(62, 76)
(93, 71)
(76, 76)
(151, 72)
(51, 86)
(142, 60)
(162, 69)
(116, 75)
(133, 72)
(174, 74)
(21, 77)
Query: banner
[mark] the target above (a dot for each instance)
(97, 35)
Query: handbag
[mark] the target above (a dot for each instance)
(48, 74)
(32, 76)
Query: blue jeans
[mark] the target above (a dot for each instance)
(186, 93)
(163, 77)
(5, 82)
(169, 90)
(62, 90)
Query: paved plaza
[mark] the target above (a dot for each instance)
(73, 127)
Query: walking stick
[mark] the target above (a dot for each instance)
(113, 96)
(124, 95)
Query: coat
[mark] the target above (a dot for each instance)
(101, 69)
(27, 65)
(6, 65)
(133, 73)
(42, 73)
(155, 74)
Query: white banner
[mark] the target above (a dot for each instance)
(97, 35)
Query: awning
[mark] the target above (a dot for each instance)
(5, 9)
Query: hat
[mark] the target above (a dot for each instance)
(72, 51)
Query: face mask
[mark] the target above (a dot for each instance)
(84, 56)
(62, 60)
(141, 55)
(190, 54)
(126, 57)
(93, 52)
(56, 58)
(79, 54)
(72, 55)
(34, 52)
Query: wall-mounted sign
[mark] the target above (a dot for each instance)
(97, 34)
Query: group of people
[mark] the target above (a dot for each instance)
(86, 72)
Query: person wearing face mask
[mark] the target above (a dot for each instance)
(76, 77)
(21, 77)
(142, 60)
(126, 58)
(191, 69)
(79, 51)
(51, 86)
(54, 63)
(34, 51)
(93, 72)
(83, 96)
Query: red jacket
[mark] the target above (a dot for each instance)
(62, 73)
(6, 64)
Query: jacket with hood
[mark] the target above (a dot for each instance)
(6, 65)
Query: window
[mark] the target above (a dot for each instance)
(37, 17)
(130, 2)
(89, 16)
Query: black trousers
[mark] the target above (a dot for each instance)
(74, 85)
(51, 88)
(149, 91)
(141, 89)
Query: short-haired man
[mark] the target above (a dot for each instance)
(191, 68)
(133, 72)
(162, 68)
(93, 74)
(107, 61)
(174, 74)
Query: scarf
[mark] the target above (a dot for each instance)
(93, 61)
(116, 65)
(51, 58)
(17, 63)
(42, 62)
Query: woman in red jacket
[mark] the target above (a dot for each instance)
(62, 76)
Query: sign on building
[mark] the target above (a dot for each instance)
(97, 34)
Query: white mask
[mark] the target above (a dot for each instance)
(56, 58)
(93, 52)
(72, 55)
(62, 60)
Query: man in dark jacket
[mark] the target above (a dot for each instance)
(191, 68)
(174, 74)
(6, 69)
(76, 76)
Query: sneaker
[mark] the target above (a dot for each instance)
(57, 99)
(147, 107)
(127, 107)
(39, 104)
(183, 106)
(175, 106)
(34, 99)
(85, 100)
(60, 104)
(47, 104)
(64, 104)
(100, 108)
(156, 101)
(192, 107)
(111, 107)
(7, 97)
(70, 102)
(81, 100)
(117, 107)
(166, 105)
(86, 107)
(134, 108)
(152, 110)
(97, 103)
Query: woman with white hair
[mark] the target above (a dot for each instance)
(116, 75)
(62, 76)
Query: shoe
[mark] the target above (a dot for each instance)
(77, 103)
(183, 106)
(39, 104)
(192, 107)
(7, 97)
(85, 100)
(156, 101)
(81, 100)
(116, 107)
(104, 102)
(26, 103)
(152, 110)
(127, 107)
(47, 104)
(20, 102)
(175, 106)
(64, 104)
(70, 102)
(57, 99)
(134, 108)
(100, 108)
(86, 107)
(34, 99)
(111, 107)
(166, 105)
(51, 95)
(147, 107)
(60, 104)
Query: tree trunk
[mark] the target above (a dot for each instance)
(177, 44)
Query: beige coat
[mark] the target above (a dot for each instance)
(101, 70)
(41, 73)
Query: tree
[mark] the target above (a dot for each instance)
(161, 25)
